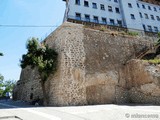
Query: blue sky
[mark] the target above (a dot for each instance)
(13, 39)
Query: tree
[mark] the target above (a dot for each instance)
(8, 86)
(1, 54)
(43, 58)
(1, 85)
(158, 42)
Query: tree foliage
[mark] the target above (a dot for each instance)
(1, 85)
(41, 57)
(1, 54)
(6, 86)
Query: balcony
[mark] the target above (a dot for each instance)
(92, 21)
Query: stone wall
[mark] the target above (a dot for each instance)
(143, 82)
(91, 69)
(28, 87)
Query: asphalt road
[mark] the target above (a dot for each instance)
(21, 111)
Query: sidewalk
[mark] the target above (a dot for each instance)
(92, 112)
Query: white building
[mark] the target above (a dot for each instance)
(131, 14)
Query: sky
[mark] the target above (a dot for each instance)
(13, 39)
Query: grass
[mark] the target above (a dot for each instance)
(153, 61)
(132, 33)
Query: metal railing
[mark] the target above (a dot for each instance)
(95, 21)
(109, 25)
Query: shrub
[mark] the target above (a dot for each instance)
(153, 61)
(132, 33)
(102, 28)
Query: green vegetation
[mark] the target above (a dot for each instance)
(102, 28)
(1, 54)
(1, 85)
(43, 58)
(6, 86)
(153, 61)
(158, 42)
(159, 34)
(132, 33)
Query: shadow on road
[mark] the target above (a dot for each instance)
(10, 104)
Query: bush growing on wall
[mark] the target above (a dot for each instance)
(43, 58)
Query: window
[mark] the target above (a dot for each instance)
(132, 16)
(87, 18)
(112, 21)
(143, 6)
(149, 28)
(86, 4)
(144, 27)
(102, 7)
(117, 10)
(129, 5)
(115, 0)
(94, 5)
(119, 22)
(77, 2)
(155, 9)
(78, 16)
(95, 18)
(146, 16)
(152, 17)
(156, 29)
(110, 8)
(137, 5)
(158, 18)
(140, 15)
(149, 8)
(104, 20)
(31, 96)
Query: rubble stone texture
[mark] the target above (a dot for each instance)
(156, 2)
(94, 67)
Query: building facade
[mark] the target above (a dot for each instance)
(132, 14)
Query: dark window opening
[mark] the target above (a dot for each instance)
(117, 10)
(132, 16)
(149, 8)
(143, 6)
(110, 8)
(78, 16)
(102, 7)
(87, 18)
(152, 17)
(149, 28)
(31, 96)
(140, 15)
(156, 29)
(129, 5)
(104, 20)
(112, 21)
(119, 22)
(94, 5)
(95, 19)
(144, 27)
(77, 2)
(86, 4)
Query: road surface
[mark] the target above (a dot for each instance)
(20, 111)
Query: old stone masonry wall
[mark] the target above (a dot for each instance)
(92, 66)
(69, 89)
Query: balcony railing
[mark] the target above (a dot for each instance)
(95, 21)
(110, 25)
